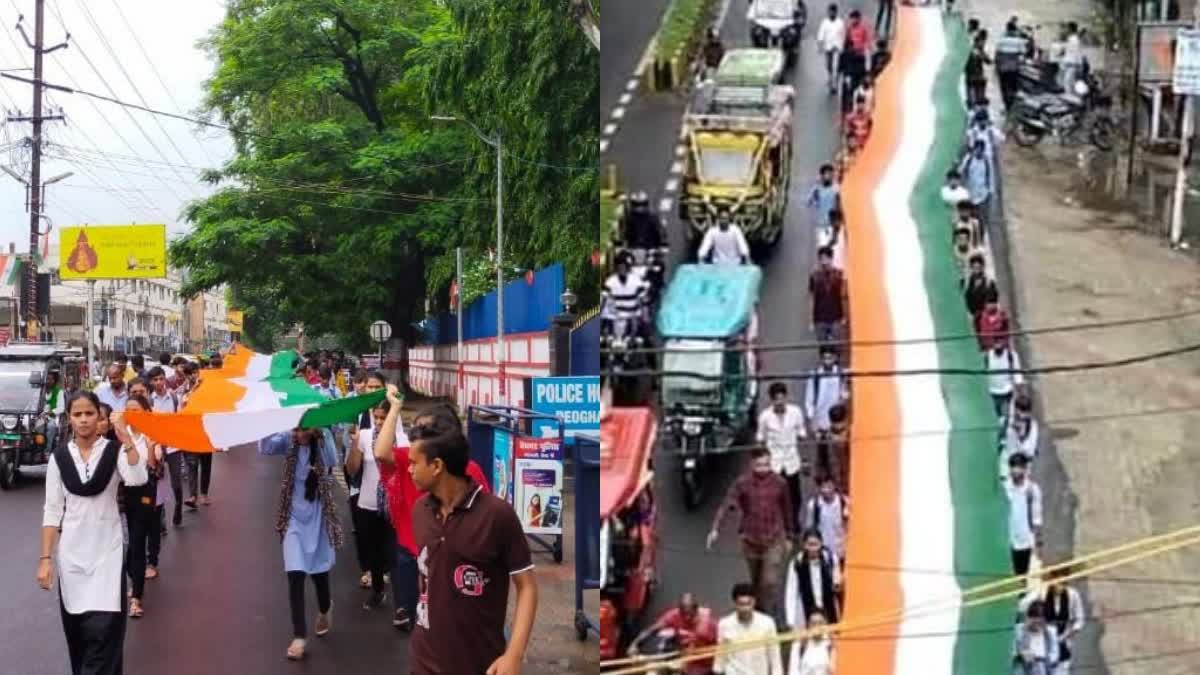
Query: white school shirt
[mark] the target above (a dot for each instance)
(757, 661)
(831, 34)
(90, 555)
(817, 658)
(952, 196)
(727, 247)
(779, 434)
(1001, 383)
(831, 522)
(368, 492)
(825, 389)
(116, 401)
(1024, 513)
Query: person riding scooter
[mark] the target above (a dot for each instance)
(624, 299)
(642, 227)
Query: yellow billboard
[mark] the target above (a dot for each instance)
(235, 321)
(112, 252)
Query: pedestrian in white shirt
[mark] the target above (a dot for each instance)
(745, 624)
(81, 525)
(954, 192)
(829, 513)
(1021, 437)
(167, 401)
(726, 244)
(1004, 376)
(1062, 609)
(1035, 644)
(371, 524)
(817, 658)
(826, 388)
(831, 37)
(113, 390)
(780, 428)
(1024, 514)
(1071, 65)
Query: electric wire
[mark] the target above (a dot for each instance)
(104, 42)
(951, 337)
(858, 374)
(167, 90)
(980, 595)
(100, 75)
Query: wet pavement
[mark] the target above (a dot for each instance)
(644, 152)
(220, 604)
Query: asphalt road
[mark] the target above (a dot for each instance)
(627, 28)
(220, 604)
(644, 152)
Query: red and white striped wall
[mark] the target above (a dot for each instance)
(434, 370)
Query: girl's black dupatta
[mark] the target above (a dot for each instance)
(98, 481)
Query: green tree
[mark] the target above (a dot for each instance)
(344, 203)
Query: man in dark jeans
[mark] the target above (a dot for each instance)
(884, 17)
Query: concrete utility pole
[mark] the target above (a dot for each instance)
(35, 178)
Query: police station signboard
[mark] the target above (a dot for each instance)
(1186, 79)
(575, 401)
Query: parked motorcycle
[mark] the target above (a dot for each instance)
(1063, 116)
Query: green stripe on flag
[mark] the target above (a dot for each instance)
(980, 506)
(14, 273)
(341, 410)
(281, 365)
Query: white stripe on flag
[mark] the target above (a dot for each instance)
(228, 429)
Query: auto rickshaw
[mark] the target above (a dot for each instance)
(709, 325)
(739, 148)
(628, 516)
(24, 421)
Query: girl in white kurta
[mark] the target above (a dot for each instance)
(81, 526)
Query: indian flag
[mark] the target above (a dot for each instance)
(929, 515)
(251, 397)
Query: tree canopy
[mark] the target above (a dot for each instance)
(344, 202)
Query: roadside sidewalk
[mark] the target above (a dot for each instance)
(1116, 464)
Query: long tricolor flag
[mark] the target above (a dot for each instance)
(249, 398)
(929, 514)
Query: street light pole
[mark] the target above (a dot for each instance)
(500, 355)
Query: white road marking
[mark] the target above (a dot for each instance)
(665, 204)
(676, 168)
(609, 129)
(603, 146)
(618, 112)
(625, 98)
(672, 185)
(680, 150)
(632, 84)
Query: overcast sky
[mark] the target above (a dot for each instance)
(129, 166)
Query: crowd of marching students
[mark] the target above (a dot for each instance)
(804, 542)
(108, 484)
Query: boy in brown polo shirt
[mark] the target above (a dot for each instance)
(469, 544)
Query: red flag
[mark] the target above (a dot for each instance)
(596, 258)
(454, 293)
(529, 277)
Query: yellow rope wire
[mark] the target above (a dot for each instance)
(646, 664)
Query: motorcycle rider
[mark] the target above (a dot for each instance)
(624, 297)
(694, 625)
(642, 227)
(725, 243)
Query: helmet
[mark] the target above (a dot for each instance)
(639, 201)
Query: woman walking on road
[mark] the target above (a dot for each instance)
(80, 525)
(307, 522)
(141, 515)
(371, 523)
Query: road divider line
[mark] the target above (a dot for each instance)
(618, 112)
(625, 98)
(672, 185)
(610, 129)
(676, 168)
(665, 204)
(603, 145)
